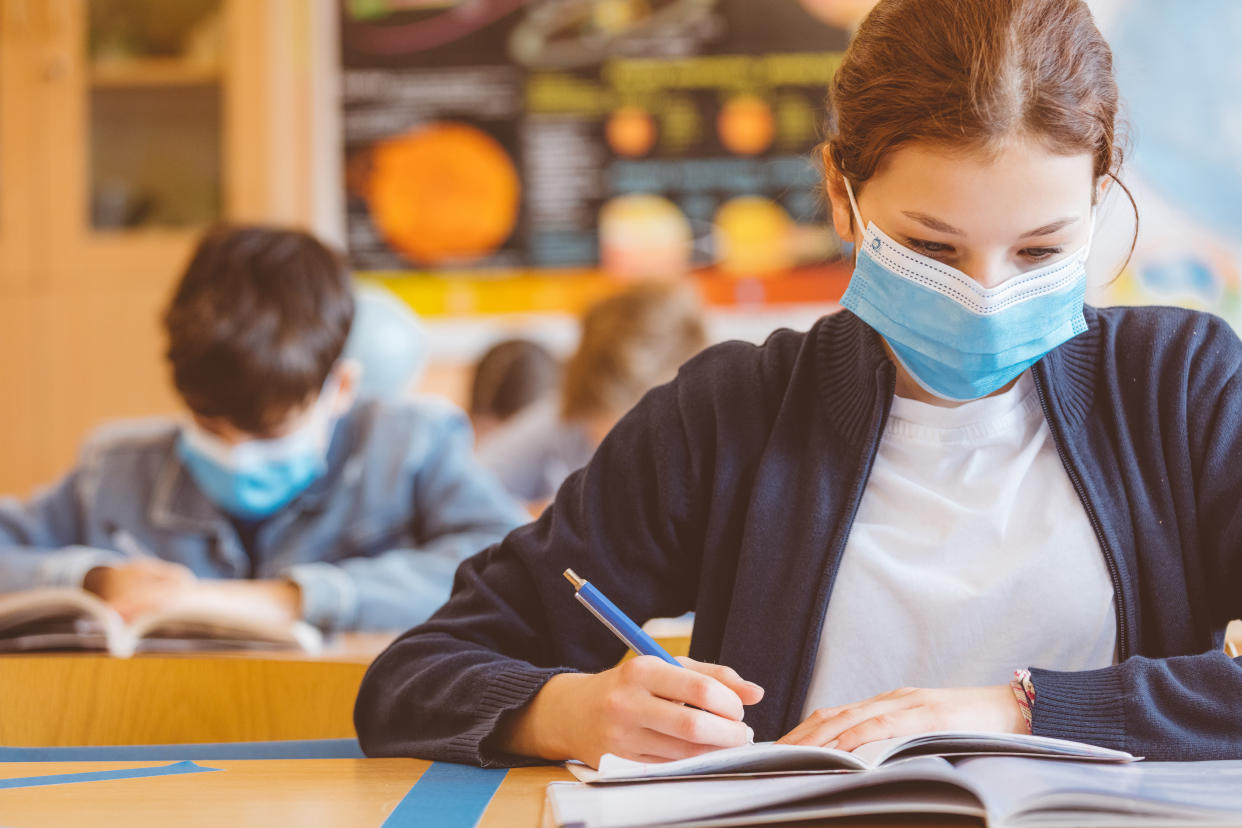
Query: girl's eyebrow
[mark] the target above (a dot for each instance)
(939, 226)
(1051, 227)
(933, 223)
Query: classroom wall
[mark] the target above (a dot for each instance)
(79, 323)
(80, 342)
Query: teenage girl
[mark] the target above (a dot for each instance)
(966, 502)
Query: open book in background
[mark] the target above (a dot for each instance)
(73, 619)
(1002, 790)
(769, 757)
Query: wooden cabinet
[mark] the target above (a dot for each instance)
(126, 126)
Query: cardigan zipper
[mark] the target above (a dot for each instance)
(1123, 636)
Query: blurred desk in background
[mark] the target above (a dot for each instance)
(55, 699)
(70, 699)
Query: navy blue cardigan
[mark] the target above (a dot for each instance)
(731, 492)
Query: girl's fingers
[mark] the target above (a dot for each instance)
(689, 725)
(825, 726)
(684, 686)
(667, 748)
(747, 691)
(903, 722)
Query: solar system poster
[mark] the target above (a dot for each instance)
(511, 155)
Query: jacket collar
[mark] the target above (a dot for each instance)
(856, 372)
(1068, 374)
(855, 376)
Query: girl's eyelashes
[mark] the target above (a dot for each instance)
(930, 247)
(1039, 254)
(942, 250)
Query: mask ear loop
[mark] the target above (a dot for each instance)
(849, 190)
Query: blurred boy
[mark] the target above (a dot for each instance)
(510, 376)
(277, 492)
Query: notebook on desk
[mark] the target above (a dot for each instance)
(73, 619)
(1005, 791)
(770, 757)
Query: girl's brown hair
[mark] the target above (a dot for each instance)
(971, 74)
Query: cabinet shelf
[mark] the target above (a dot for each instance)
(153, 72)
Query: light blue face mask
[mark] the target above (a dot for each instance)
(255, 479)
(957, 339)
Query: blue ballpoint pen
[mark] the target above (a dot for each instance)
(617, 621)
(622, 627)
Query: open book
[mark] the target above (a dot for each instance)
(769, 757)
(1002, 790)
(73, 619)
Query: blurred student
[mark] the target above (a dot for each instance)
(277, 492)
(511, 375)
(388, 341)
(631, 342)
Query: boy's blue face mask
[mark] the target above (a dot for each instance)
(255, 479)
(957, 339)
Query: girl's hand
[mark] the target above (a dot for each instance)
(910, 711)
(642, 709)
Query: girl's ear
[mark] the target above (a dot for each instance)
(838, 199)
(1102, 185)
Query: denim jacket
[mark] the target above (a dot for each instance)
(372, 544)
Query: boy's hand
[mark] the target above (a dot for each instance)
(139, 586)
(275, 599)
(642, 709)
(149, 585)
(910, 711)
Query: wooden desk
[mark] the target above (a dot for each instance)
(65, 699)
(303, 792)
(54, 699)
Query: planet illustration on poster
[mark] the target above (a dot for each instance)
(446, 193)
(644, 236)
(844, 14)
(571, 33)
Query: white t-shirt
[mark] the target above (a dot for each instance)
(971, 556)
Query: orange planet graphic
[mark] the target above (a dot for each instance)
(643, 236)
(753, 237)
(443, 193)
(630, 131)
(844, 14)
(745, 125)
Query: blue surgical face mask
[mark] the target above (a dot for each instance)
(255, 479)
(957, 339)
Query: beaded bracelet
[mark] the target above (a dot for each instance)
(1024, 691)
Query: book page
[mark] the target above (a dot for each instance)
(969, 743)
(769, 757)
(202, 625)
(1020, 791)
(693, 800)
(43, 619)
(761, 757)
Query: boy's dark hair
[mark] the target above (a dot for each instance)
(512, 374)
(254, 327)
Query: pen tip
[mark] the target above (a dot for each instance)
(573, 578)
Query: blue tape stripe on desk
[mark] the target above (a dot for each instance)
(447, 796)
(99, 776)
(294, 749)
